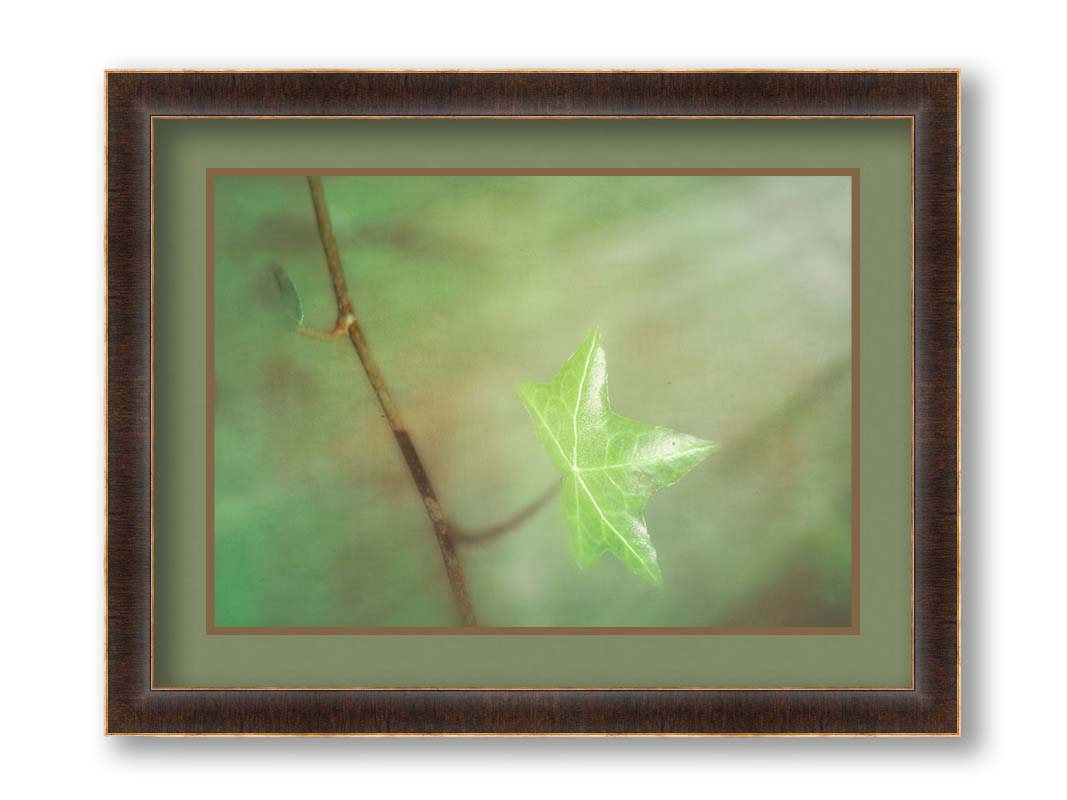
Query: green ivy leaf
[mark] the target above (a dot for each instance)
(287, 294)
(610, 464)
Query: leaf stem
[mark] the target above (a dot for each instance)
(502, 527)
(346, 317)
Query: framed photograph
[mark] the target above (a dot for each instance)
(365, 475)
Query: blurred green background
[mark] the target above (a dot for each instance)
(724, 304)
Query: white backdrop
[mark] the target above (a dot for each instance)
(51, 451)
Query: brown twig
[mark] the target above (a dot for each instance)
(502, 527)
(346, 317)
(339, 330)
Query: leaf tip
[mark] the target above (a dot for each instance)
(650, 571)
(706, 446)
(699, 449)
(655, 577)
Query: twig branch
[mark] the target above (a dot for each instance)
(346, 316)
(339, 330)
(502, 527)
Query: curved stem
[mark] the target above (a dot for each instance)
(339, 330)
(512, 522)
(346, 316)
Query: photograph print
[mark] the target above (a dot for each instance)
(527, 401)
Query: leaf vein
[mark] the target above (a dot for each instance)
(555, 441)
(646, 462)
(578, 402)
(613, 529)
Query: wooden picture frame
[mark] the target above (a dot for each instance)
(930, 707)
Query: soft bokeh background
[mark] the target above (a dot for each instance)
(724, 304)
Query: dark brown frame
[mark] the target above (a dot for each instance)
(930, 97)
